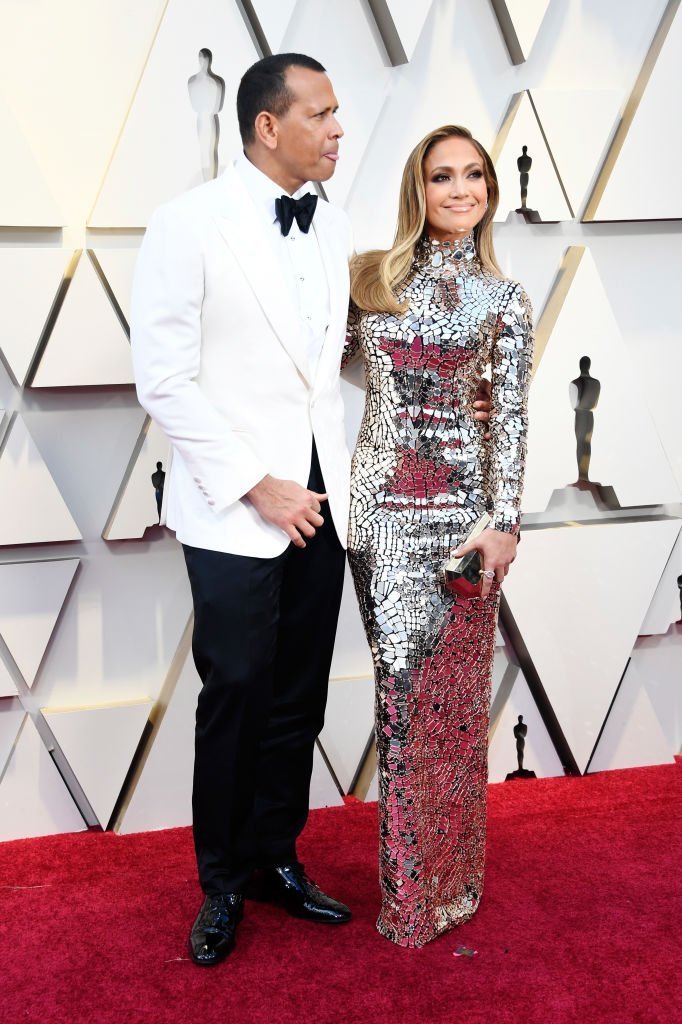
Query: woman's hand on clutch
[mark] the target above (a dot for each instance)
(498, 551)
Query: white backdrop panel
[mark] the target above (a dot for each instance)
(323, 790)
(33, 798)
(638, 730)
(579, 125)
(25, 196)
(539, 753)
(32, 511)
(665, 606)
(11, 716)
(118, 266)
(522, 20)
(31, 599)
(88, 344)
(162, 797)
(357, 72)
(586, 326)
(449, 80)
(120, 628)
(624, 198)
(349, 722)
(274, 17)
(409, 19)
(7, 685)
(29, 281)
(99, 744)
(157, 155)
(135, 507)
(593, 584)
(545, 194)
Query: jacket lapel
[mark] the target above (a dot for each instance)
(246, 233)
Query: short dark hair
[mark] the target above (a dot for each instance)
(264, 87)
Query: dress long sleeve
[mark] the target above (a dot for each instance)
(512, 362)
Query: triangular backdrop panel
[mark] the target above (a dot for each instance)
(352, 658)
(99, 743)
(25, 196)
(406, 21)
(31, 598)
(420, 97)
(586, 326)
(32, 511)
(88, 344)
(33, 798)
(157, 155)
(274, 17)
(162, 796)
(520, 22)
(623, 197)
(7, 685)
(323, 789)
(29, 282)
(118, 266)
(540, 755)
(579, 124)
(545, 195)
(372, 794)
(594, 584)
(665, 605)
(358, 74)
(639, 729)
(349, 722)
(11, 717)
(135, 507)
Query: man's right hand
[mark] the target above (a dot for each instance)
(286, 504)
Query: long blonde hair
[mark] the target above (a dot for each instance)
(376, 275)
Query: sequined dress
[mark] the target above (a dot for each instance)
(422, 475)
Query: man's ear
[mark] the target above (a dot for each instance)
(266, 129)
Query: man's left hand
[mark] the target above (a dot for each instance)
(483, 406)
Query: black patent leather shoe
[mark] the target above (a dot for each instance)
(288, 885)
(212, 935)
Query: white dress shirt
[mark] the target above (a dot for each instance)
(298, 254)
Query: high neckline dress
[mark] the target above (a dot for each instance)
(421, 476)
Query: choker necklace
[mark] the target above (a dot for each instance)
(461, 252)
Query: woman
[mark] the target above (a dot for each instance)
(428, 316)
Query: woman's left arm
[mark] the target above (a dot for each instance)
(512, 363)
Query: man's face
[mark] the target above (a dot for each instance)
(308, 134)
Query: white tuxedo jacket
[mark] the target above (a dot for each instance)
(222, 368)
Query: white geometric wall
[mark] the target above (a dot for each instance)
(97, 686)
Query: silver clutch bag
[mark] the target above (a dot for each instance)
(464, 575)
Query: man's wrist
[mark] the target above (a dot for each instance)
(257, 488)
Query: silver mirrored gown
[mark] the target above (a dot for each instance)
(422, 475)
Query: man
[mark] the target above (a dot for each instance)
(238, 324)
(237, 333)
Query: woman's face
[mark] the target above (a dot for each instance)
(456, 190)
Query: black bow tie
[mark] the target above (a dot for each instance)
(286, 209)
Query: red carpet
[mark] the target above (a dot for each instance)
(578, 923)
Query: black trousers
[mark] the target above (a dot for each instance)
(263, 638)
